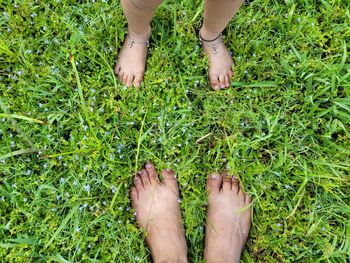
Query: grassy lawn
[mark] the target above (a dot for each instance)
(71, 136)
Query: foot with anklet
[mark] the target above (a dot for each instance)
(131, 61)
(220, 61)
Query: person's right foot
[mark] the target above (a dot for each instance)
(228, 219)
(157, 209)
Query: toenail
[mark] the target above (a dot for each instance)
(148, 165)
(168, 170)
(213, 176)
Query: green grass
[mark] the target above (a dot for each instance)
(71, 136)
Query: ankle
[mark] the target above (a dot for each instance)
(207, 34)
(140, 34)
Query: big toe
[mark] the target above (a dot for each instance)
(214, 82)
(214, 183)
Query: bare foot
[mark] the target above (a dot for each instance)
(130, 66)
(158, 212)
(220, 60)
(228, 219)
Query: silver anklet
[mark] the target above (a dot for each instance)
(131, 42)
(209, 43)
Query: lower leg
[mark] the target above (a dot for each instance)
(217, 14)
(139, 14)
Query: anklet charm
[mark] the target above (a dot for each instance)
(131, 42)
(209, 43)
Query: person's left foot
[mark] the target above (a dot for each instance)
(220, 60)
(157, 209)
(130, 66)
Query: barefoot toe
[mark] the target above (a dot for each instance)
(144, 177)
(241, 192)
(125, 78)
(222, 81)
(153, 175)
(138, 79)
(129, 80)
(248, 199)
(227, 182)
(117, 69)
(121, 75)
(134, 195)
(227, 81)
(214, 82)
(230, 74)
(235, 184)
(138, 183)
(170, 179)
(214, 182)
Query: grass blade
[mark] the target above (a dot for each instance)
(19, 152)
(62, 226)
(20, 117)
